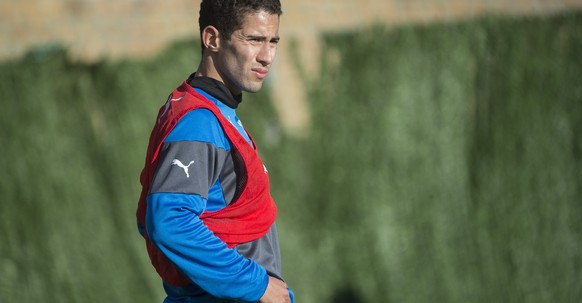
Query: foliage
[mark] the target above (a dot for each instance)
(443, 165)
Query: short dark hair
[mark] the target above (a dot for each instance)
(228, 15)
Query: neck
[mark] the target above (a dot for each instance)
(207, 68)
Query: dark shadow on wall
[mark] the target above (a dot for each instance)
(346, 294)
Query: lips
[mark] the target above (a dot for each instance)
(261, 73)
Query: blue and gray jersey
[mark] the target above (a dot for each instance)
(196, 173)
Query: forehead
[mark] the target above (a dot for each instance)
(260, 22)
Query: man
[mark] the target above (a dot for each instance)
(205, 209)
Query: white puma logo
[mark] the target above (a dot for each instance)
(185, 167)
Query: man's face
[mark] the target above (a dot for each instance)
(244, 60)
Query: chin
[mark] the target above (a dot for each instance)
(253, 88)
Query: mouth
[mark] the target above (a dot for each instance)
(260, 73)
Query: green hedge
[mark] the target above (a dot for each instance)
(443, 165)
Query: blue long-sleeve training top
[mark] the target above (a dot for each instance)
(219, 274)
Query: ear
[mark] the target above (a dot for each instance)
(211, 38)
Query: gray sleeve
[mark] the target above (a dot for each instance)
(189, 167)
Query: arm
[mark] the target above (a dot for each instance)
(179, 195)
(174, 227)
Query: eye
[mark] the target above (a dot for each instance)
(256, 40)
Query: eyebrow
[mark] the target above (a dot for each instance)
(262, 38)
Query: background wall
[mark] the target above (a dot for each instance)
(442, 162)
(113, 29)
(95, 29)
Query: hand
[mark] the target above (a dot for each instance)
(276, 292)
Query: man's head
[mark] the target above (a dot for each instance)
(227, 15)
(239, 40)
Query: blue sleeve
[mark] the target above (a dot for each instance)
(172, 218)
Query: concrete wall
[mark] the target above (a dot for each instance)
(93, 29)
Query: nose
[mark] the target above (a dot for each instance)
(266, 54)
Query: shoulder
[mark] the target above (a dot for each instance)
(199, 125)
